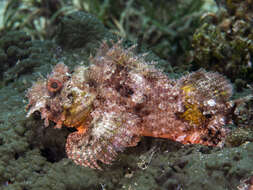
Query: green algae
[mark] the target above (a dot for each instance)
(70, 32)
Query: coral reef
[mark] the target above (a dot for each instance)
(33, 156)
(153, 23)
(13, 47)
(224, 42)
(21, 55)
(120, 98)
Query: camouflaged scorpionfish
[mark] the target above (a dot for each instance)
(119, 98)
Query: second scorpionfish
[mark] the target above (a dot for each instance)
(120, 97)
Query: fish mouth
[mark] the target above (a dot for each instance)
(78, 114)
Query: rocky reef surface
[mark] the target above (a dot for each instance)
(33, 157)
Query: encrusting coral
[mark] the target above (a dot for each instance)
(224, 42)
(119, 98)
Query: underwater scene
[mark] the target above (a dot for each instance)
(126, 95)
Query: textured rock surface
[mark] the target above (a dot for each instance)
(32, 157)
(224, 42)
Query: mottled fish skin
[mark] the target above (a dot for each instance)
(102, 143)
(120, 97)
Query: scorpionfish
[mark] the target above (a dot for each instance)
(120, 98)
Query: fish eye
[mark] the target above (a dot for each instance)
(54, 85)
